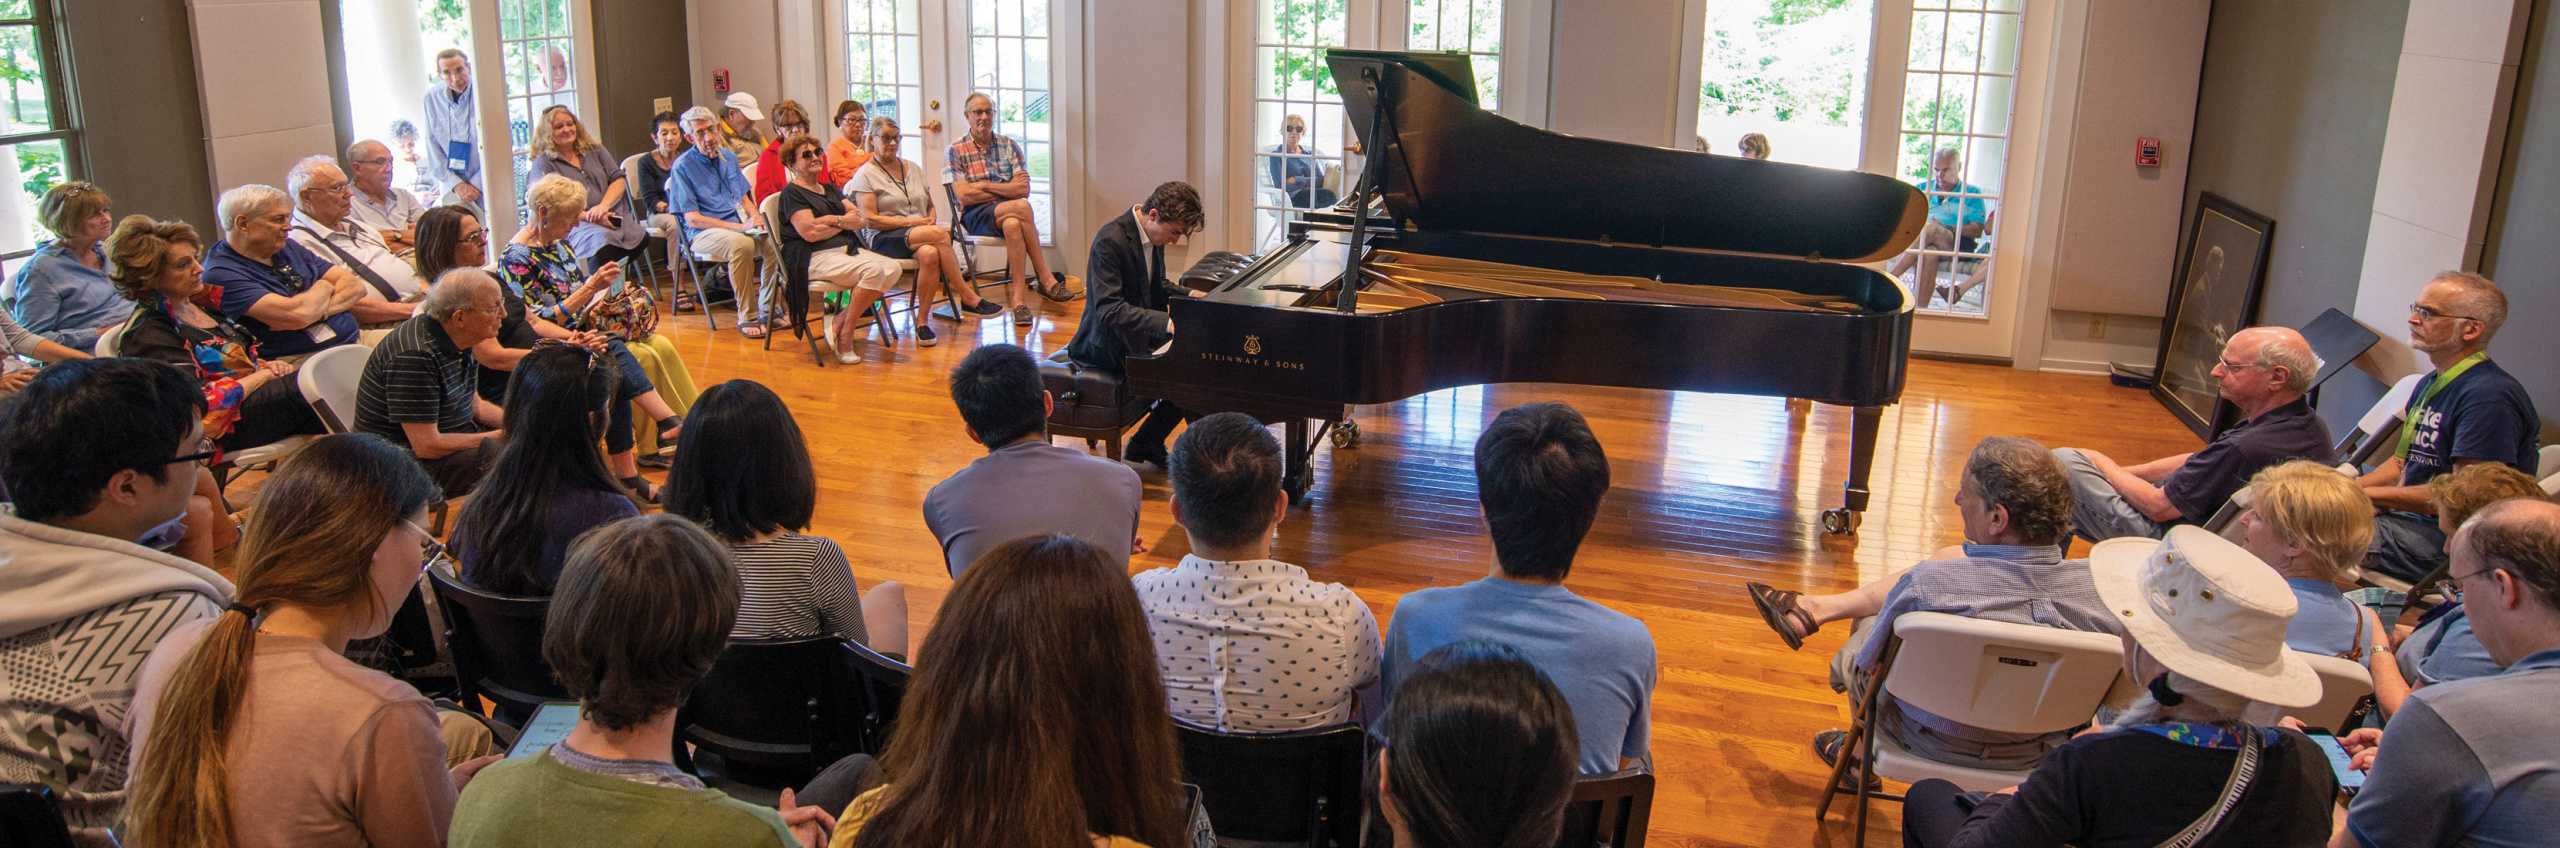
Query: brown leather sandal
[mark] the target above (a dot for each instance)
(1778, 609)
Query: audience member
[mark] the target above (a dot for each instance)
(650, 185)
(1754, 146)
(2442, 646)
(603, 235)
(61, 292)
(17, 342)
(1129, 312)
(101, 459)
(249, 401)
(1540, 475)
(322, 196)
(1247, 643)
(643, 609)
(418, 389)
(251, 727)
(851, 148)
(2468, 410)
(1298, 169)
(822, 249)
(2263, 373)
(2312, 524)
(453, 132)
(1958, 216)
(900, 222)
(708, 195)
(1483, 753)
(1035, 716)
(986, 170)
(549, 484)
(390, 210)
(599, 311)
(292, 301)
(1002, 406)
(1699, 143)
(744, 473)
(2471, 762)
(790, 121)
(2192, 761)
(2015, 501)
(405, 133)
(738, 117)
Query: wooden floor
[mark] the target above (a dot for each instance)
(1708, 491)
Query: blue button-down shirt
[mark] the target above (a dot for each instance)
(713, 187)
(450, 118)
(2018, 584)
(60, 299)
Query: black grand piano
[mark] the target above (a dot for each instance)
(1480, 250)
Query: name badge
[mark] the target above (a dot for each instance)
(457, 155)
(320, 332)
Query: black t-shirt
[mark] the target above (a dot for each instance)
(2208, 478)
(2132, 789)
(2483, 414)
(795, 199)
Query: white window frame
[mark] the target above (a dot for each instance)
(987, 58)
(23, 214)
(489, 70)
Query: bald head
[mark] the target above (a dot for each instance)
(2280, 347)
(459, 290)
(369, 166)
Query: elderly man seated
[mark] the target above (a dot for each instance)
(324, 223)
(290, 299)
(1958, 216)
(2016, 505)
(708, 195)
(420, 386)
(388, 209)
(2264, 373)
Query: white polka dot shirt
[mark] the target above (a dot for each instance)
(1256, 647)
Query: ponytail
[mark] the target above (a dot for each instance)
(181, 788)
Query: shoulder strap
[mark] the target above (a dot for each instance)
(2244, 768)
(379, 284)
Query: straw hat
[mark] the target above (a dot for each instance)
(744, 102)
(2207, 609)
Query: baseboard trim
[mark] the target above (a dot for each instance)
(1974, 359)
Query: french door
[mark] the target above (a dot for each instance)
(919, 60)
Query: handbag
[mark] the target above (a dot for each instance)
(630, 314)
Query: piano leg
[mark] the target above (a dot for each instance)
(1297, 474)
(1863, 422)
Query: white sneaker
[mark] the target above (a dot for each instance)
(847, 357)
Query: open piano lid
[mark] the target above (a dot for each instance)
(1456, 167)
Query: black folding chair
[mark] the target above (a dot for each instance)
(496, 642)
(775, 711)
(883, 681)
(1609, 811)
(29, 817)
(1300, 787)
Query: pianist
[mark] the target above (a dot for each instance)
(1126, 300)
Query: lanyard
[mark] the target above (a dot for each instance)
(2409, 424)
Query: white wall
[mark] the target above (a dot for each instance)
(1138, 131)
(744, 36)
(262, 70)
(1617, 69)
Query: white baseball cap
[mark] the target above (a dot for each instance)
(744, 102)
(2208, 609)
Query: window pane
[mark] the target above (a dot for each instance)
(17, 9)
(1928, 40)
(22, 63)
(27, 171)
(982, 17)
(1964, 41)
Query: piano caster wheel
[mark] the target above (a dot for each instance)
(1346, 434)
(1841, 522)
(1297, 484)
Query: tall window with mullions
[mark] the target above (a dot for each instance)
(1298, 128)
(535, 40)
(1473, 27)
(884, 66)
(1009, 61)
(39, 135)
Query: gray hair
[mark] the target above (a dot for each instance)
(304, 170)
(2520, 536)
(2199, 703)
(698, 115)
(2478, 298)
(2284, 347)
(2021, 476)
(456, 290)
(246, 201)
(356, 151)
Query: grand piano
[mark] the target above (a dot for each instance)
(1480, 250)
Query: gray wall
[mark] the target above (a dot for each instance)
(2521, 254)
(137, 100)
(2289, 121)
(640, 56)
(1616, 73)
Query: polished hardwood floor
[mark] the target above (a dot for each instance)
(1707, 491)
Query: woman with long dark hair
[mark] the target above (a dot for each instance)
(549, 484)
(251, 727)
(1035, 718)
(1480, 752)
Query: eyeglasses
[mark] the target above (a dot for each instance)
(2229, 365)
(205, 450)
(2453, 585)
(792, 127)
(2429, 313)
(476, 236)
(430, 551)
(341, 188)
(372, 163)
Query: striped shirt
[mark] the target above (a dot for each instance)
(794, 587)
(417, 376)
(1257, 647)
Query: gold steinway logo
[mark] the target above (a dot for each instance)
(1253, 356)
(1252, 345)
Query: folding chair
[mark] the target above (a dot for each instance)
(496, 642)
(330, 381)
(1609, 811)
(2344, 687)
(1994, 675)
(769, 211)
(972, 270)
(631, 207)
(884, 683)
(774, 711)
(1300, 787)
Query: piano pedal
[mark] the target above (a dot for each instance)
(1346, 434)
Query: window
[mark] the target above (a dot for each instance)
(1473, 27)
(883, 66)
(1009, 61)
(1957, 95)
(39, 144)
(1293, 88)
(534, 38)
(1792, 71)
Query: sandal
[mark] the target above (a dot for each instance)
(640, 489)
(684, 301)
(1827, 745)
(669, 428)
(752, 330)
(1778, 609)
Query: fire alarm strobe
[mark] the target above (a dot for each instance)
(2146, 152)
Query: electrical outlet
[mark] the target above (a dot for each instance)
(663, 104)
(2097, 326)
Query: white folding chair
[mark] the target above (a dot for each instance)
(2549, 470)
(108, 342)
(329, 381)
(1993, 675)
(976, 271)
(2344, 684)
(2380, 424)
(631, 206)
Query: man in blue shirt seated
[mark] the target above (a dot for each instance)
(2264, 372)
(2467, 410)
(2477, 762)
(1540, 475)
(1958, 215)
(709, 196)
(292, 300)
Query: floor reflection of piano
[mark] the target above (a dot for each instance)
(1507, 253)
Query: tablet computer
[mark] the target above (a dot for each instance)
(551, 723)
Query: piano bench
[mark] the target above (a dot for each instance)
(1089, 404)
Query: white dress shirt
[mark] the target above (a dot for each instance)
(362, 242)
(1257, 647)
(398, 212)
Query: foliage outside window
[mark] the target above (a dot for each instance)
(38, 134)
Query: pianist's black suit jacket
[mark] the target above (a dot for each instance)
(1125, 296)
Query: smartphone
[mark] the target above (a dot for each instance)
(551, 723)
(2349, 779)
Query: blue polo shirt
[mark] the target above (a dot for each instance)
(1601, 659)
(713, 187)
(2473, 762)
(1955, 207)
(2209, 476)
(2325, 622)
(244, 280)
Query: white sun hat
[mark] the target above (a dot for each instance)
(744, 102)
(2207, 609)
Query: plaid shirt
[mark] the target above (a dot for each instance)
(997, 163)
